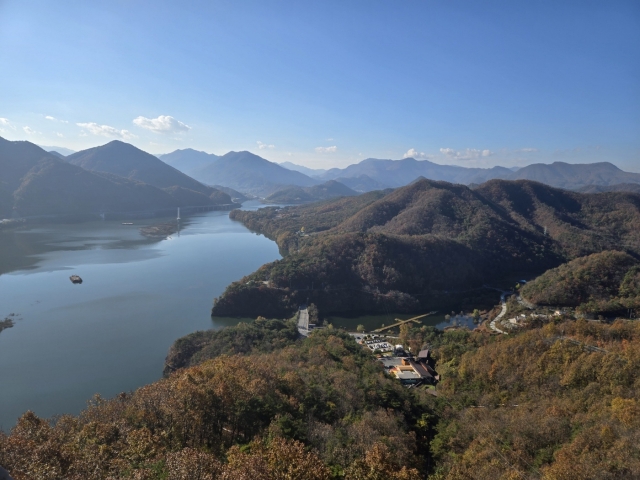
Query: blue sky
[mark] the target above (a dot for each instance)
(329, 83)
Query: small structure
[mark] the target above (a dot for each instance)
(75, 279)
(416, 371)
(378, 345)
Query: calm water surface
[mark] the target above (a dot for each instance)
(112, 333)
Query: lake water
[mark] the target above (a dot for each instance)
(112, 333)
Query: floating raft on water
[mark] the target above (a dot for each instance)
(75, 279)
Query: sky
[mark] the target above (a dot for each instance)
(327, 84)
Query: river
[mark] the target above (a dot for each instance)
(111, 333)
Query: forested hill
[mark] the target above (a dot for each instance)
(607, 282)
(540, 404)
(410, 248)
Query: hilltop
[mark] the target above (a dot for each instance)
(418, 246)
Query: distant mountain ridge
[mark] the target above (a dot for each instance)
(396, 173)
(187, 160)
(294, 195)
(249, 173)
(62, 151)
(311, 172)
(572, 176)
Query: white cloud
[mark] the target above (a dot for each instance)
(333, 149)
(263, 146)
(59, 134)
(6, 123)
(29, 130)
(163, 124)
(528, 150)
(54, 119)
(413, 153)
(106, 131)
(467, 154)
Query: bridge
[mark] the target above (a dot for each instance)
(402, 322)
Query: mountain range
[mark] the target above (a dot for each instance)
(396, 173)
(116, 177)
(249, 173)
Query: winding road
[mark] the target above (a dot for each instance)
(502, 313)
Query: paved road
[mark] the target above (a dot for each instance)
(303, 322)
(502, 313)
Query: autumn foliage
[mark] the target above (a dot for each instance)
(314, 410)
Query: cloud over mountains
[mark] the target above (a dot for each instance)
(165, 124)
(106, 131)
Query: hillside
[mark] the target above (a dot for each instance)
(235, 195)
(618, 187)
(607, 282)
(127, 161)
(361, 183)
(249, 173)
(325, 191)
(529, 405)
(397, 173)
(321, 408)
(419, 246)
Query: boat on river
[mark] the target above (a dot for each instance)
(75, 279)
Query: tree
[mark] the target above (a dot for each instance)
(360, 328)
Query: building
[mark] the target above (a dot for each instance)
(416, 371)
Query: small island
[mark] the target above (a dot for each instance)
(160, 230)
